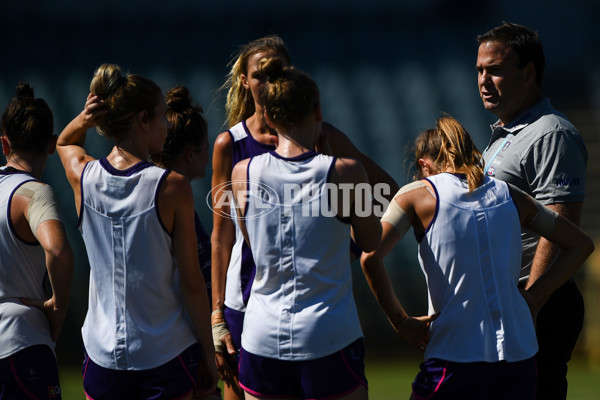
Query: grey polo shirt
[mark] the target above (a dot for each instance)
(541, 153)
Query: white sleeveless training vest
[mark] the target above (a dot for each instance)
(22, 272)
(135, 317)
(301, 306)
(471, 256)
(241, 269)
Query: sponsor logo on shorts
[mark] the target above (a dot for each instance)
(312, 200)
(53, 392)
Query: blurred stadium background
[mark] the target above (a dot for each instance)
(386, 70)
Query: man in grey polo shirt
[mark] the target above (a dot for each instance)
(537, 149)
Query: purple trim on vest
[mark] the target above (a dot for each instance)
(80, 211)
(304, 156)
(247, 147)
(248, 272)
(248, 267)
(418, 236)
(459, 176)
(160, 181)
(11, 171)
(9, 217)
(345, 220)
(246, 128)
(247, 184)
(126, 172)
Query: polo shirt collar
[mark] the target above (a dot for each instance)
(529, 116)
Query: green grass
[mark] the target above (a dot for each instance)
(390, 380)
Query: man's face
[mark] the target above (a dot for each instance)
(505, 89)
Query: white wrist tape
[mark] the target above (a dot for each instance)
(219, 331)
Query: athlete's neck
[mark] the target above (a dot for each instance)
(124, 157)
(34, 166)
(259, 129)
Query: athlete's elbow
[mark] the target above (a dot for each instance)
(590, 247)
(61, 256)
(369, 238)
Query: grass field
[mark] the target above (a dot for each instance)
(390, 381)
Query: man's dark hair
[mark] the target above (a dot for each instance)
(523, 41)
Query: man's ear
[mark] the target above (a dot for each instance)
(530, 71)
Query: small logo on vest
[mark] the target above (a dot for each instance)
(222, 197)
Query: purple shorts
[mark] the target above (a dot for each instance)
(175, 379)
(235, 323)
(330, 376)
(439, 379)
(30, 374)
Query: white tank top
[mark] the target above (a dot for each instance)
(471, 256)
(22, 272)
(135, 317)
(241, 269)
(301, 306)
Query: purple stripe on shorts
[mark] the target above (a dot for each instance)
(437, 387)
(87, 362)
(358, 378)
(187, 371)
(309, 379)
(441, 380)
(264, 396)
(16, 376)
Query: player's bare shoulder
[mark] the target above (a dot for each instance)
(223, 143)
(175, 188)
(348, 170)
